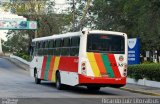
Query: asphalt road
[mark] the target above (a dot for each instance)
(16, 83)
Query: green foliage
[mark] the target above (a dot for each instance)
(49, 23)
(23, 55)
(17, 42)
(147, 62)
(80, 11)
(148, 71)
(134, 17)
(42, 11)
(52, 24)
(110, 15)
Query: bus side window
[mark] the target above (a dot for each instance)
(50, 49)
(65, 50)
(57, 47)
(46, 44)
(43, 48)
(36, 49)
(46, 48)
(74, 51)
(52, 44)
(75, 41)
(32, 49)
(40, 48)
(54, 47)
(43, 45)
(66, 42)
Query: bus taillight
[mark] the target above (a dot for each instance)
(83, 68)
(125, 72)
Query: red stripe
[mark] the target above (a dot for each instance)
(43, 67)
(114, 65)
(68, 64)
(51, 68)
(99, 80)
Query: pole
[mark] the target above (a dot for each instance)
(35, 35)
(73, 15)
(1, 52)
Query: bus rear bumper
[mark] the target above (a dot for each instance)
(101, 80)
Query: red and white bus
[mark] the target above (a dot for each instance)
(92, 58)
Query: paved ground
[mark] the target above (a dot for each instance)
(16, 83)
(142, 89)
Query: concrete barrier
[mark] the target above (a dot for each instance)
(20, 59)
(144, 82)
(19, 62)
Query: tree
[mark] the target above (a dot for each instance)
(43, 12)
(16, 42)
(49, 22)
(80, 13)
(108, 14)
(137, 18)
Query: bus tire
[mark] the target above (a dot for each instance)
(93, 88)
(37, 80)
(59, 85)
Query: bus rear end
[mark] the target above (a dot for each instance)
(103, 59)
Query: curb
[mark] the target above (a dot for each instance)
(139, 91)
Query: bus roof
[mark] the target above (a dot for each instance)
(106, 32)
(56, 36)
(72, 34)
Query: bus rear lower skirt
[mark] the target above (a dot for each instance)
(101, 80)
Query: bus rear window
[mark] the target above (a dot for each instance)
(108, 43)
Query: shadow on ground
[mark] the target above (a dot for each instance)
(77, 89)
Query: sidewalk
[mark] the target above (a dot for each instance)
(142, 89)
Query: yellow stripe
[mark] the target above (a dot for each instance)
(94, 65)
(55, 68)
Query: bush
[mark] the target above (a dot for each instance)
(148, 71)
(147, 62)
(26, 57)
(23, 55)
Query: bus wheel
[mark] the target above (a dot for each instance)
(59, 85)
(93, 88)
(37, 80)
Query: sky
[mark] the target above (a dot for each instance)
(60, 1)
(60, 5)
(3, 32)
(7, 16)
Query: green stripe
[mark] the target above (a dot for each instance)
(107, 65)
(47, 67)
